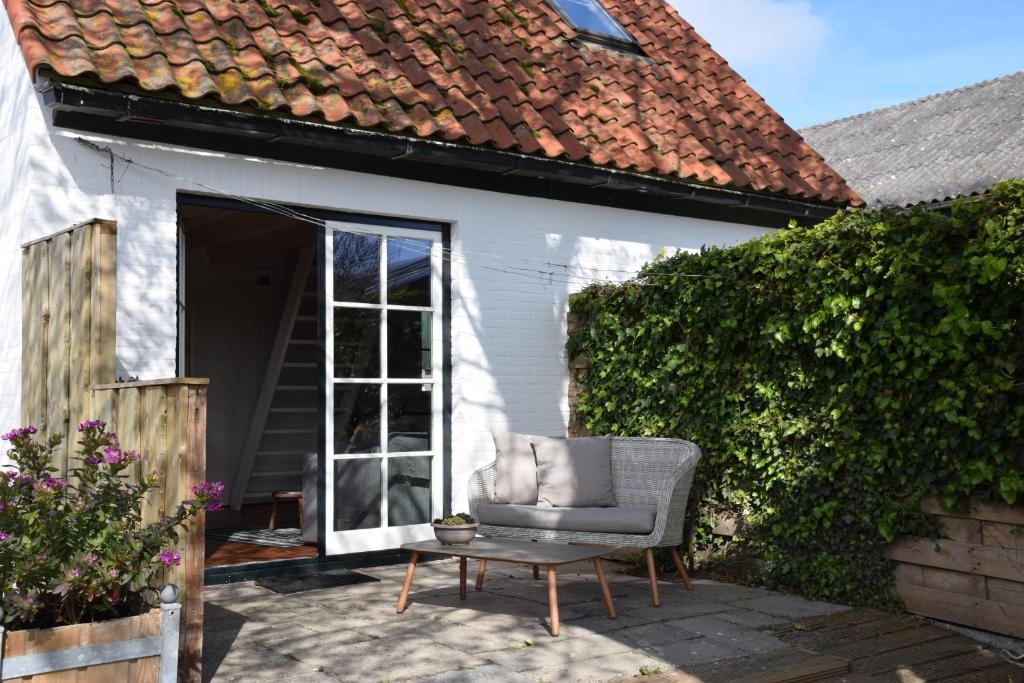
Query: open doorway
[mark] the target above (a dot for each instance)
(250, 321)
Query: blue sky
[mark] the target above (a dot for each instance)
(818, 60)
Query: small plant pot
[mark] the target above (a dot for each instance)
(458, 534)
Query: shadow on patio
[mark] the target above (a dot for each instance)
(352, 633)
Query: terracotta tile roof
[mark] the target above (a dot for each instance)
(509, 74)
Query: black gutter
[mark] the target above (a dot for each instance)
(124, 114)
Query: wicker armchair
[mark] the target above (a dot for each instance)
(647, 473)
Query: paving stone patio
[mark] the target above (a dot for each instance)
(352, 633)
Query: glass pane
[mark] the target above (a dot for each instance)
(409, 337)
(408, 491)
(408, 272)
(356, 494)
(356, 418)
(590, 16)
(356, 342)
(409, 417)
(356, 268)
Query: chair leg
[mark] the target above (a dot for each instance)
(674, 552)
(299, 501)
(273, 515)
(653, 576)
(536, 572)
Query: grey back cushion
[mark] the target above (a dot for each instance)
(515, 479)
(574, 472)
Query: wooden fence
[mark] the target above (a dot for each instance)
(68, 376)
(68, 327)
(165, 420)
(973, 576)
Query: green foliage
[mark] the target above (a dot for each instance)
(833, 375)
(458, 519)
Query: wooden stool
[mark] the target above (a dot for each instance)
(285, 497)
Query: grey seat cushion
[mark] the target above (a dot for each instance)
(516, 468)
(610, 520)
(574, 472)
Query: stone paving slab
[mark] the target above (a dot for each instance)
(353, 634)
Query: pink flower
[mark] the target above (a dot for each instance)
(91, 424)
(209, 494)
(75, 572)
(113, 573)
(89, 559)
(169, 557)
(20, 432)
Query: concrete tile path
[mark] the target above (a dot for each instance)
(352, 633)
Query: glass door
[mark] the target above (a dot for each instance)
(384, 388)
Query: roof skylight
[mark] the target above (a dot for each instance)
(591, 19)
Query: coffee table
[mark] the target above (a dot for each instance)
(549, 555)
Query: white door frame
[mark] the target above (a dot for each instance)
(384, 537)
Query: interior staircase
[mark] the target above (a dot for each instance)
(284, 426)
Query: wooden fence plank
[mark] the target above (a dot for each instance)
(104, 303)
(193, 561)
(154, 441)
(79, 395)
(988, 512)
(35, 307)
(128, 426)
(1010, 592)
(58, 340)
(961, 557)
(962, 609)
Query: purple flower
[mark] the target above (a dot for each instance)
(209, 494)
(75, 572)
(89, 559)
(94, 460)
(114, 573)
(4, 536)
(53, 484)
(115, 456)
(91, 424)
(169, 557)
(18, 433)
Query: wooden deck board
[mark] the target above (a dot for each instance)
(790, 665)
(896, 647)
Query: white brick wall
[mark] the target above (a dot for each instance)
(508, 332)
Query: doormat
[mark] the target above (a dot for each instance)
(278, 538)
(286, 585)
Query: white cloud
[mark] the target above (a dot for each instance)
(760, 36)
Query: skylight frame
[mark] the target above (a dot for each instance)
(628, 44)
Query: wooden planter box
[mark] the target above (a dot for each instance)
(142, 648)
(973, 576)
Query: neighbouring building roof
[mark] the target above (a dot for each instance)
(933, 149)
(508, 75)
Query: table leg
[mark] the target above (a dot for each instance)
(273, 515)
(605, 593)
(462, 578)
(553, 599)
(480, 575)
(409, 571)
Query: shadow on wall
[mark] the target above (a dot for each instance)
(509, 333)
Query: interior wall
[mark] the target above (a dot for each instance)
(233, 309)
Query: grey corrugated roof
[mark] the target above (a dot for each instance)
(932, 149)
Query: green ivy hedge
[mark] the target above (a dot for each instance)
(833, 375)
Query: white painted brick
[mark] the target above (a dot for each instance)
(508, 331)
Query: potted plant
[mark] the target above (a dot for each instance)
(74, 551)
(457, 529)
